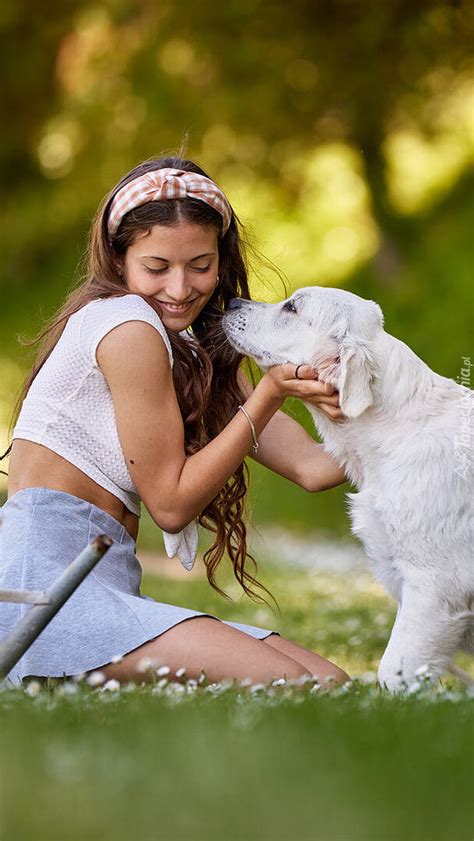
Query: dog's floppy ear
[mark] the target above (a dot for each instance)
(343, 356)
(355, 377)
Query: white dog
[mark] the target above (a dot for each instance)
(404, 445)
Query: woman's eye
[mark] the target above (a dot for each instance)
(289, 307)
(155, 271)
(165, 269)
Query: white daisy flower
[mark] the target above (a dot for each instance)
(303, 680)
(257, 687)
(112, 685)
(96, 678)
(176, 689)
(145, 664)
(67, 688)
(33, 688)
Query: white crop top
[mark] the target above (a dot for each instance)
(69, 406)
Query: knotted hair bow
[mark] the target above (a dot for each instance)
(167, 183)
(183, 545)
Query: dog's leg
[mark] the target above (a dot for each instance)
(425, 633)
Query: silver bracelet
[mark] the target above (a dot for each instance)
(252, 429)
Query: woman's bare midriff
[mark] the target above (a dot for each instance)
(35, 466)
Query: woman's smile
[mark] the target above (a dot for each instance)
(176, 309)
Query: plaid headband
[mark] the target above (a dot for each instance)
(167, 184)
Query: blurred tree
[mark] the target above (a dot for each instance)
(93, 88)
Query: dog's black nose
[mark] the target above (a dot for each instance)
(235, 304)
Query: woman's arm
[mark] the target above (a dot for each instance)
(175, 487)
(286, 448)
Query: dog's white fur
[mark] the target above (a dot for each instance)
(404, 445)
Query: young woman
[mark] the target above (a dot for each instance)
(135, 395)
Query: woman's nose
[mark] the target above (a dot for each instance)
(178, 287)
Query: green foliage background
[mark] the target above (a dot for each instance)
(341, 131)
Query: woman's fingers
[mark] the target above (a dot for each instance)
(306, 385)
(316, 391)
(288, 371)
(321, 397)
(306, 372)
(332, 412)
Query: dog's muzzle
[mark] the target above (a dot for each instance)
(235, 320)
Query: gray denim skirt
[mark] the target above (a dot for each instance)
(42, 531)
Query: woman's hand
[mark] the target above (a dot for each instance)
(281, 379)
(288, 449)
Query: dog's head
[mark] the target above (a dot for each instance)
(331, 329)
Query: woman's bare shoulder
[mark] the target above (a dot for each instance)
(132, 354)
(104, 316)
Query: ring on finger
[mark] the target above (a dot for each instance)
(296, 372)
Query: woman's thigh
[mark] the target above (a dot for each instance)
(205, 644)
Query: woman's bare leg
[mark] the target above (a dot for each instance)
(313, 662)
(204, 644)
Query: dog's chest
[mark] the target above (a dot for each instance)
(348, 446)
(355, 447)
(369, 526)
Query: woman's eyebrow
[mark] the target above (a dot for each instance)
(165, 260)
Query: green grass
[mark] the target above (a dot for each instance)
(80, 764)
(124, 766)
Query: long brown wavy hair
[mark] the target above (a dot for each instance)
(205, 366)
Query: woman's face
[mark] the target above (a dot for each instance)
(178, 266)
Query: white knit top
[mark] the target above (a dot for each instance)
(69, 406)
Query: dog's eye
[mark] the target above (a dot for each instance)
(289, 307)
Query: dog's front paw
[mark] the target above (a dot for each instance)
(391, 678)
(395, 678)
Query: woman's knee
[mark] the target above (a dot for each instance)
(315, 664)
